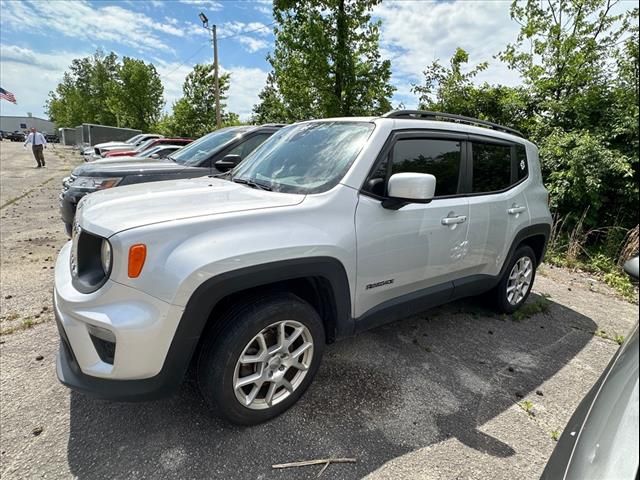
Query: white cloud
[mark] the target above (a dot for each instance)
(414, 33)
(31, 76)
(172, 75)
(246, 34)
(253, 44)
(210, 4)
(88, 22)
(228, 29)
(246, 84)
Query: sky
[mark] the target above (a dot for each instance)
(38, 40)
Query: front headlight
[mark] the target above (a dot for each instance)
(105, 256)
(96, 183)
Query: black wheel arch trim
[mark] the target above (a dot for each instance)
(530, 231)
(194, 320)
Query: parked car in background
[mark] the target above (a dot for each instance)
(51, 138)
(212, 154)
(16, 136)
(100, 148)
(329, 228)
(156, 153)
(601, 439)
(149, 144)
(130, 141)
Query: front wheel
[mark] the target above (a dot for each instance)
(514, 288)
(262, 360)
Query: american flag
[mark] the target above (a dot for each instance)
(7, 95)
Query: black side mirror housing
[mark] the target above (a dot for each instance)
(227, 163)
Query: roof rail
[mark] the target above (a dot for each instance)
(450, 117)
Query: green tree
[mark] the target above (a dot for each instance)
(194, 114)
(99, 89)
(326, 62)
(452, 89)
(579, 62)
(83, 94)
(136, 96)
(271, 108)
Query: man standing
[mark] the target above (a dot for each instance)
(38, 143)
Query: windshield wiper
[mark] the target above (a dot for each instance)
(252, 183)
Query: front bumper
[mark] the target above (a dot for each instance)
(143, 327)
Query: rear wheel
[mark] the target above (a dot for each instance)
(263, 360)
(514, 288)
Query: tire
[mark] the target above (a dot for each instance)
(219, 367)
(502, 301)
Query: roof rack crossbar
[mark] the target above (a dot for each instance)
(429, 115)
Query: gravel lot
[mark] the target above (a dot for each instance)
(436, 396)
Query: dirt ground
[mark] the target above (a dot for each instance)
(457, 392)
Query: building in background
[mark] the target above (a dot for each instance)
(11, 124)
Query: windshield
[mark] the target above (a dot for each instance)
(144, 145)
(149, 151)
(204, 147)
(305, 158)
(134, 139)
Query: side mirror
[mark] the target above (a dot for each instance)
(405, 188)
(632, 267)
(227, 163)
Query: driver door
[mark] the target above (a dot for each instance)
(418, 246)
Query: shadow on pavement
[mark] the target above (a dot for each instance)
(385, 393)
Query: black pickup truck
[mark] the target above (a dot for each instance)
(214, 153)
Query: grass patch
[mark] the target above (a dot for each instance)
(527, 406)
(534, 306)
(25, 324)
(602, 267)
(555, 435)
(619, 339)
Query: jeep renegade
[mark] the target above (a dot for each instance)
(329, 228)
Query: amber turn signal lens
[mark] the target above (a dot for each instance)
(137, 256)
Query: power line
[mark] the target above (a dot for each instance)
(184, 62)
(248, 31)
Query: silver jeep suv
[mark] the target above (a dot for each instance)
(329, 228)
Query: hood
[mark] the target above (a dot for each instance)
(111, 211)
(110, 144)
(128, 159)
(121, 167)
(116, 147)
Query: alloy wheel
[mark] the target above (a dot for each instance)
(273, 364)
(519, 280)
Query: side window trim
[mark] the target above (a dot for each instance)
(514, 163)
(397, 135)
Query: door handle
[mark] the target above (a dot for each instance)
(453, 220)
(516, 209)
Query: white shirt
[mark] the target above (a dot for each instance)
(40, 140)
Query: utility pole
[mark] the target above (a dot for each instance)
(215, 75)
(216, 86)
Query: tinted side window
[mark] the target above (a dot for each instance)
(522, 164)
(440, 158)
(249, 146)
(491, 167)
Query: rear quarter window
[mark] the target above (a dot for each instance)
(522, 164)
